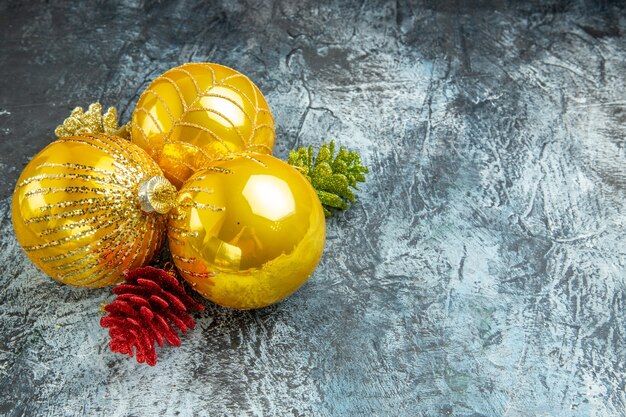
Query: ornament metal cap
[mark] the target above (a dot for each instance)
(157, 194)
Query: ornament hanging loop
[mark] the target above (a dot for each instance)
(156, 194)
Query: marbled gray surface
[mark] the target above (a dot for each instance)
(482, 271)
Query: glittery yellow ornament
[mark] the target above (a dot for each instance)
(82, 212)
(248, 231)
(198, 112)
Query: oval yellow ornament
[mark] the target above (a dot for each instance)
(247, 231)
(198, 112)
(77, 212)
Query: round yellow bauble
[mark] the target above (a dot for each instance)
(247, 232)
(77, 209)
(198, 112)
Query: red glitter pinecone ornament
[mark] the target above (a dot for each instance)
(148, 306)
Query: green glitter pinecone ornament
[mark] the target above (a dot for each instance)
(331, 175)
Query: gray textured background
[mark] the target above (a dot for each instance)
(482, 271)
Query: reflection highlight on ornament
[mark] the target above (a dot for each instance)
(269, 197)
(35, 201)
(226, 256)
(226, 105)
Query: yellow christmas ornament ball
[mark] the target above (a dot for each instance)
(247, 232)
(198, 112)
(77, 209)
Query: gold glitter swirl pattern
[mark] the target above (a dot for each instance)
(199, 112)
(77, 214)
